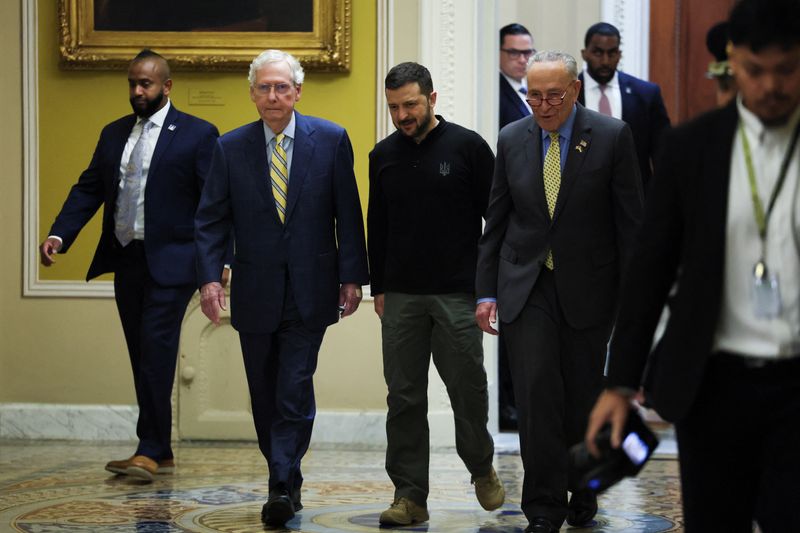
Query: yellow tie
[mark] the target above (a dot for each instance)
(278, 174)
(552, 182)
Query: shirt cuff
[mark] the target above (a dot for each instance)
(59, 239)
(484, 300)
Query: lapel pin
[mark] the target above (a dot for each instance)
(171, 127)
(583, 143)
(628, 90)
(579, 148)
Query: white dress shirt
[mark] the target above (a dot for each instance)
(517, 85)
(591, 94)
(739, 330)
(157, 119)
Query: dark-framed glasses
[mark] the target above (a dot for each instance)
(513, 53)
(535, 100)
(263, 89)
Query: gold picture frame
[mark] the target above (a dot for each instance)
(325, 48)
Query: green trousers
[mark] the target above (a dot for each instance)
(414, 327)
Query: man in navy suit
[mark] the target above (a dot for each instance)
(516, 46)
(614, 93)
(148, 171)
(286, 187)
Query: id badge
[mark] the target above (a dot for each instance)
(766, 295)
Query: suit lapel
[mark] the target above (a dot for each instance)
(627, 96)
(259, 166)
(168, 131)
(302, 152)
(714, 192)
(577, 148)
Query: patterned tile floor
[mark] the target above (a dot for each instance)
(52, 486)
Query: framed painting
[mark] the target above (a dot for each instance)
(204, 34)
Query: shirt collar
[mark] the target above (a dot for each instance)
(159, 116)
(288, 131)
(590, 84)
(755, 128)
(565, 130)
(516, 85)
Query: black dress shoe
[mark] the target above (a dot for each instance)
(541, 525)
(582, 509)
(278, 510)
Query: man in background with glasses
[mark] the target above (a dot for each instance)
(516, 47)
(286, 187)
(565, 202)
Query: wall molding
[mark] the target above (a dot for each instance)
(118, 423)
(632, 18)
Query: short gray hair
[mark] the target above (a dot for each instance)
(276, 56)
(553, 56)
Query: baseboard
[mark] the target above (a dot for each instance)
(118, 422)
(70, 422)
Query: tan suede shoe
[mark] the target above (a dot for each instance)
(403, 512)
(489, 490)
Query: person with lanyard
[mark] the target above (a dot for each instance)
(722, 227)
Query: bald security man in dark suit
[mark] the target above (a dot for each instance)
(148, 171)
(565, 202)
(637, 102)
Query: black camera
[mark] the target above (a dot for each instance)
(587, 472)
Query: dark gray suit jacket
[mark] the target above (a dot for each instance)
(598, 209)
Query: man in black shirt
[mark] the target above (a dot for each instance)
(429, 188)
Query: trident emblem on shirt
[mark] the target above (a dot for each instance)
(444, 168)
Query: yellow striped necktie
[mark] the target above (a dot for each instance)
(279, 175)
(552, 182)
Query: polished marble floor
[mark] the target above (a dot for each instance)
(60, 486)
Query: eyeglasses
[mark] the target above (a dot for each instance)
(535, 100)
(513, 53)
(263, 89)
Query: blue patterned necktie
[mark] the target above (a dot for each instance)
(128, 196)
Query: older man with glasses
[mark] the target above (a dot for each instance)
(566, 198)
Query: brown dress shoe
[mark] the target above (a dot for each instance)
(165, 466)
(142, 467)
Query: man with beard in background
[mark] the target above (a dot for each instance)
(148, 171)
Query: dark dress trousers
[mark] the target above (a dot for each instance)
(737, 427)
(511, 106)
(643, 109)
(153, 279)
(286, 277)
(556, 323)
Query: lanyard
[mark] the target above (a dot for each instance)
(762, 217)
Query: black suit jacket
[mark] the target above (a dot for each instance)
(643, 109)
(683, 239)
(511, 107)
(175, 180)
(598, 208)
(320, 246)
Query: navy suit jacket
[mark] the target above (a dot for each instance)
(597, 212)
(643, 109)
(178, 170)
(320, 246)
(511, 107)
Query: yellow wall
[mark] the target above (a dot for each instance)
(75, 105)
(71, 350)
